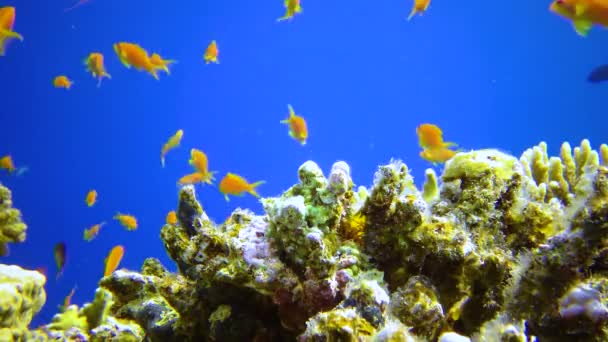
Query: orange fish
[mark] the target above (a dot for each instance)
(172, 218)
(233, 184)
(6, 163)
(96, 67)
(60, 257)
(127, 221)
(131, 54)
(193, 178)
(297, 126)
(420, 7)
(160, 63)
(582, 13)
(68, 299)
(7, 21)
(172, 143)
(431, 136)
(91, 198)
(211, 53)
(292, 7)
(437, 154)
(113, 260)
(62, 81)
(91, 233)
(198, 160)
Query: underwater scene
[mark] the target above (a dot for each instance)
(302, 170)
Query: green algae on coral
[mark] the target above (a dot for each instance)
(12, 228)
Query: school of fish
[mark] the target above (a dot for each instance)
(583, 14)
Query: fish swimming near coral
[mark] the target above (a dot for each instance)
(60, 252)
(68, 299)
(583, 13)
(62, 81)
(599, 74)
(7, 21)
(7, 164)
(292, 7)
(127, 221)
(297, 126)
(133, 55)
(420, 6)
(431, 136)
(91, 198)
(113, 260)
(91, 233)
(161, 63)
(438, 154)
(211, 53)
(172, 143)
(95, 65)
(233, 184)
(198, 160)
(190, 179)
(171, 218)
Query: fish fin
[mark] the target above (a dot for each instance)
(582, 26)
(11, 34)
(162, 162)
(580, 9)
(449, 144)
(412, 14)
(226, 197)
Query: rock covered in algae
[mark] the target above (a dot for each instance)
(22, 295)
(12, 228)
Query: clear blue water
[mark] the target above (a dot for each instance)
(492, 74)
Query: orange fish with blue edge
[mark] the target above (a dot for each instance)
(198, 160)
(91, 198)
(420, 6)
(133, 55)
(91, 233)
(212, 53)
(127, 221)
(431, 136)
(292, 7)
(233, 184)
(62, 81)
(583, 13)
(7, 21)
(171, 218)
(95, 65)
(172, 143)
(160, 63)
(113, 260)
(297, 126)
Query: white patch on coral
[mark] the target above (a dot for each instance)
(297, 202)
(380, 295)
(453, 337)
(253, 243)
(583, 300)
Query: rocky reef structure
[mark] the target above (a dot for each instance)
(495, 249)
(12, 228)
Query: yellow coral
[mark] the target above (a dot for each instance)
(12, 228)
(353, 227)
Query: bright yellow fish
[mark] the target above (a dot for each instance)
(172, 143)
(297, 126)
(292, 7)
(91, 233)
(198, 160)
(171, 218)
(113, 260)
(211, 53)
(233, 184)
(127, 221)
(91, 198)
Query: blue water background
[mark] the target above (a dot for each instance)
(492, 74)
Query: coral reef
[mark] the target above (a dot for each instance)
(12, 228)
(496, 248)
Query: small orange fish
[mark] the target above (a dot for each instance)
(172, 218)
(160, 63)
(297, 126)
(7, 21)
(91, 198)
(292, 7)
(91, 233)
(172, 143)
(6, 163)
(198, 160)
(236, 185)
(131, 54)
(193, 178)
(211, 53)
(582, 13)
(113, 260)
(96, 67)
(127, 221)
(68, 299)
(438, 154)
(420, 6)
(431, 136)
(60, 257)
(62, 81)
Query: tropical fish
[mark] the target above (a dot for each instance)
(172, 143)
(211, 53)
(131, 54)
(7, 163)
(91, 198)
(292, 7)
(297, 126)
(420, 6)
(62, 81)
(68, 299)
(160, 63)
(91, 233)
(582, 13)
(113, 260)
(599, 74)
(437, 154)
(96, 67)
(198, 160)
(7, 21)
(193, 178)
(127, 221)
(60, 257)
(171, 218)
(233, 184)
(431, 136)
(78, 4)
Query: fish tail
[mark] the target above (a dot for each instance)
(412, 13)
(226, 197)
(255, 185)
(11, 34)
(162, 161)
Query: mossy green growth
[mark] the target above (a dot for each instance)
(97, 311)
(481, 163)
(337, 325)
(12, 228)
(68, 319)
(430, 189)
(22, 295)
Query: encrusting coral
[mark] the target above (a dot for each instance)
(12, 228)
(495, 249)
